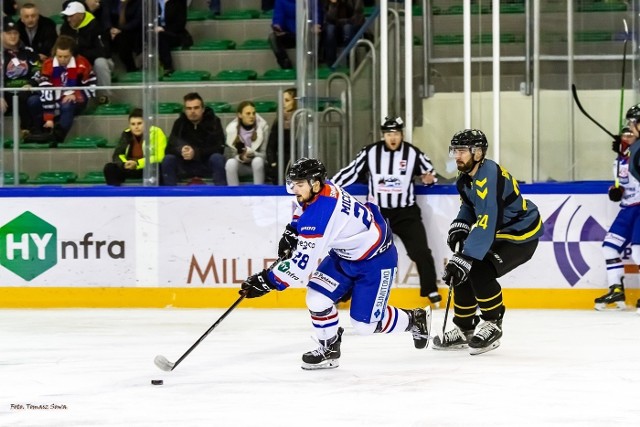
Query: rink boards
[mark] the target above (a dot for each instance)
(193, 246)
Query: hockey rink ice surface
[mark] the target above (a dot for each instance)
(94, 368)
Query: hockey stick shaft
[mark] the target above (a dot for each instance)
(583, 111)
(446, 310)
(162, 363)
(624, 65)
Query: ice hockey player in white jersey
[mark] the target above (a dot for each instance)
(625, 229)
(361, 259)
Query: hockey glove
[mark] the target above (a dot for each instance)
(288, 242)
(257, 285)
(615, 193)
(457, 270)
(615, 144)
(458, 232)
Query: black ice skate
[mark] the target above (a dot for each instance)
(454, 339)
(486, 337)
(612, 300)
(324, 357)
(419, 326)
(638, 306)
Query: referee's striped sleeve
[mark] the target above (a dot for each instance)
(349, 174)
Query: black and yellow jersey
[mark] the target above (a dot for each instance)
(492, 204)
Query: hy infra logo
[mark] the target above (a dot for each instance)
(28, 246)
(566, 248)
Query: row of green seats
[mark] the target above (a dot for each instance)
(118, 109)
(580, 36)
(226, 44)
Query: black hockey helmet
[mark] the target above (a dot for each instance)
(470, 138)
(392, 125)
(307, 169)
(633, 113)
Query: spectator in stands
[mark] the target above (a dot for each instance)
(172, 31)
(87, 31)
(20, 63)
(128, 157)
(246, 135)
(283, 36)
(65, 69)
(37, 31)
(126, 32)
(9, 7)
(196, 145)
(342, 20)
(289, 105)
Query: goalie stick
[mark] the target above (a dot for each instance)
(168, 366)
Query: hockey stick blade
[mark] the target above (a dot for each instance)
(574, 91)
(163, 363)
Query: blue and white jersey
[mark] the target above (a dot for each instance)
(333, 221)
(627, 179)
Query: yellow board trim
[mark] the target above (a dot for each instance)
(21, 297)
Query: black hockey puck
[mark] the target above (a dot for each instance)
(157, 382)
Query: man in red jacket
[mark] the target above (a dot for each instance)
(53, 103)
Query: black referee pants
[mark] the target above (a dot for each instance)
(406, 223)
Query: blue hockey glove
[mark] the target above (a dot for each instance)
(257, 285)
(288, 242)
(458, 232)
(457, 270)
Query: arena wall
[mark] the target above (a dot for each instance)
(193, 246)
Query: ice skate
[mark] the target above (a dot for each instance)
(419, 326)
(612, 300)
(486, 337)
(327, 356)
(638, 306)
(435, 299)
(455, 339)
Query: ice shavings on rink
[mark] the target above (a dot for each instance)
(554, 368)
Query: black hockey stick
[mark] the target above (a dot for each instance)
(575, 98)
(164, 364)
(446, 310)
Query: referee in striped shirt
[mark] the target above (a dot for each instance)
(391, 165)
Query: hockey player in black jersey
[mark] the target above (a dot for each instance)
(495, 231)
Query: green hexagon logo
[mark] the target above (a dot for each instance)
(28, 246)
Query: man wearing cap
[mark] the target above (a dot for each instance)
(37, 31)
(20, 63)
(87, 31)
(391, 165)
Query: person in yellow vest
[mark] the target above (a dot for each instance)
(128, 156)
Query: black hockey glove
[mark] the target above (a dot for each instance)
(616, 143)
(288, 242)
(257, 285)
(615, 193)
(458, 232)
(457, 270)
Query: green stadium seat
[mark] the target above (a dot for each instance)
(324, 103)
(214, 45)
(239, 14)
(219, 106)
(593, 36)
(279, 74)
(445, 39)
(188, 76)
(325, 72)
(169, 107)
(487, 38)
(94, 177)
(475, 9)
(198, 15)
(56, 178)
(417, 41)
(132, 77)
(57, 19)
(602, 7)
(266, 106)
(254, 44)
(112, 109)
(266, 14)
(80, 142)
(236, 75)
(511, 8)
(8, 178)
